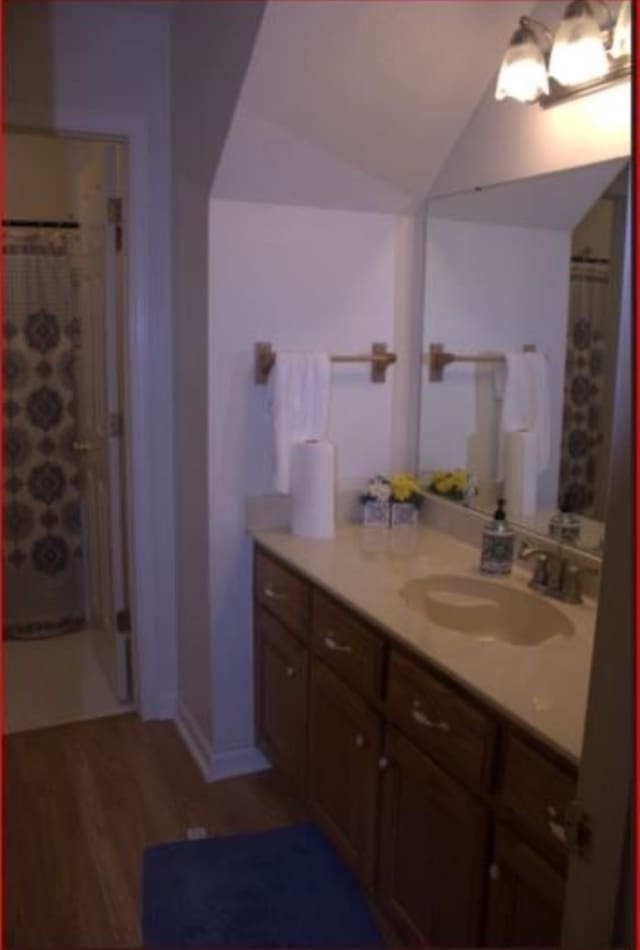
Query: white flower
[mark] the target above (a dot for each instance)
(379, 489)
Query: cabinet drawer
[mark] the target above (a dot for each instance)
(347, 645)
(535, 790)
(451, 728)
(284, 593)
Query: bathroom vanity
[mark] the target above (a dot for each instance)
(440, 762)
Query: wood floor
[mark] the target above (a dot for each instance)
(82, 802)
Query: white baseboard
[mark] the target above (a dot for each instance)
(218, 765)
(237, 762)
(194, 739)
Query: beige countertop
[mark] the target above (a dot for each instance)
(543, 688)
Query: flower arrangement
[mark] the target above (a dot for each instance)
(378, 490)
(406, 490)
(393, 500)
(454, 484)
(376, 500)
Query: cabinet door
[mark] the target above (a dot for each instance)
(344, 749)
(526, 896)
(433, 837)
(281, 697)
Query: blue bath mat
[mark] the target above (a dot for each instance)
(281, 888)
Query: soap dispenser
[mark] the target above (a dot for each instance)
(564, 525)
(498, 543)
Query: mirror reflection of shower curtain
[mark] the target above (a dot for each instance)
(586, 367)
(42, 513)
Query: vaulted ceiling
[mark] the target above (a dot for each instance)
(357, 103)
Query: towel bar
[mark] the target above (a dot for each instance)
(379, 357)
(438, 358)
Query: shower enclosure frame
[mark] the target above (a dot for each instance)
(151, 578)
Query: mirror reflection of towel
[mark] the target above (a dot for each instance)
(525, 404)
(301, 391)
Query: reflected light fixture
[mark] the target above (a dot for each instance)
(523, 74)
(588, 52)
(621, 46)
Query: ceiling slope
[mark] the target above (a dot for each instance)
(357, 104)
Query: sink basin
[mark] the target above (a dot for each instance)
(486, 609)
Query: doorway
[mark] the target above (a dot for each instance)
(67, 629)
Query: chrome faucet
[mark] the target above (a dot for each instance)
(553, 575)
(540, 575)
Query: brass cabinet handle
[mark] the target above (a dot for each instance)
(557, 826)
(274, 594)
(291, 672)
(81, 446)
(332, 644)
(494, 872)
(423, 720)
(383, 763)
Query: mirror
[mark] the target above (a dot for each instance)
(533, 265)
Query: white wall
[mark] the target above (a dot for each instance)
(81, 67)
(306, 279)
(490, 288)
(208, 70)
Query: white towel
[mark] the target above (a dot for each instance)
(301, 391)
(525, 404)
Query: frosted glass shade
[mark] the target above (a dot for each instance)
(621, 45)
(578, 54)
(523, 75)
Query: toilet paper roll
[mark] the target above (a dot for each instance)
(313, 489)
(520, 473)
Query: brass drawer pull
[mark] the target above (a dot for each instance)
(556, 826)
(272, 594)
(332, 644)
(291, 672)
(423, 720)
(494, 872)
(383, 763)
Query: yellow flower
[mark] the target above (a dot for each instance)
(445, 482)
(403, 486)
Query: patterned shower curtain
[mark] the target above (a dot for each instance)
(42, 520)
(586, 359)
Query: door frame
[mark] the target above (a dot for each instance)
(598, 903)
(147, 575)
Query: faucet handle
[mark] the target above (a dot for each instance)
(572, 586)
(540, 576)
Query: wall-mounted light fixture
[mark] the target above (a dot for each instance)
(588, 52)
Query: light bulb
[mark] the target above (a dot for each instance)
(621, 45)
(523, 75)
(578, 54)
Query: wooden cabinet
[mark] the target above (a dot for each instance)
(281, 698)
(433, 837)
(526, 895)
(451, 816)
(344, 750)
